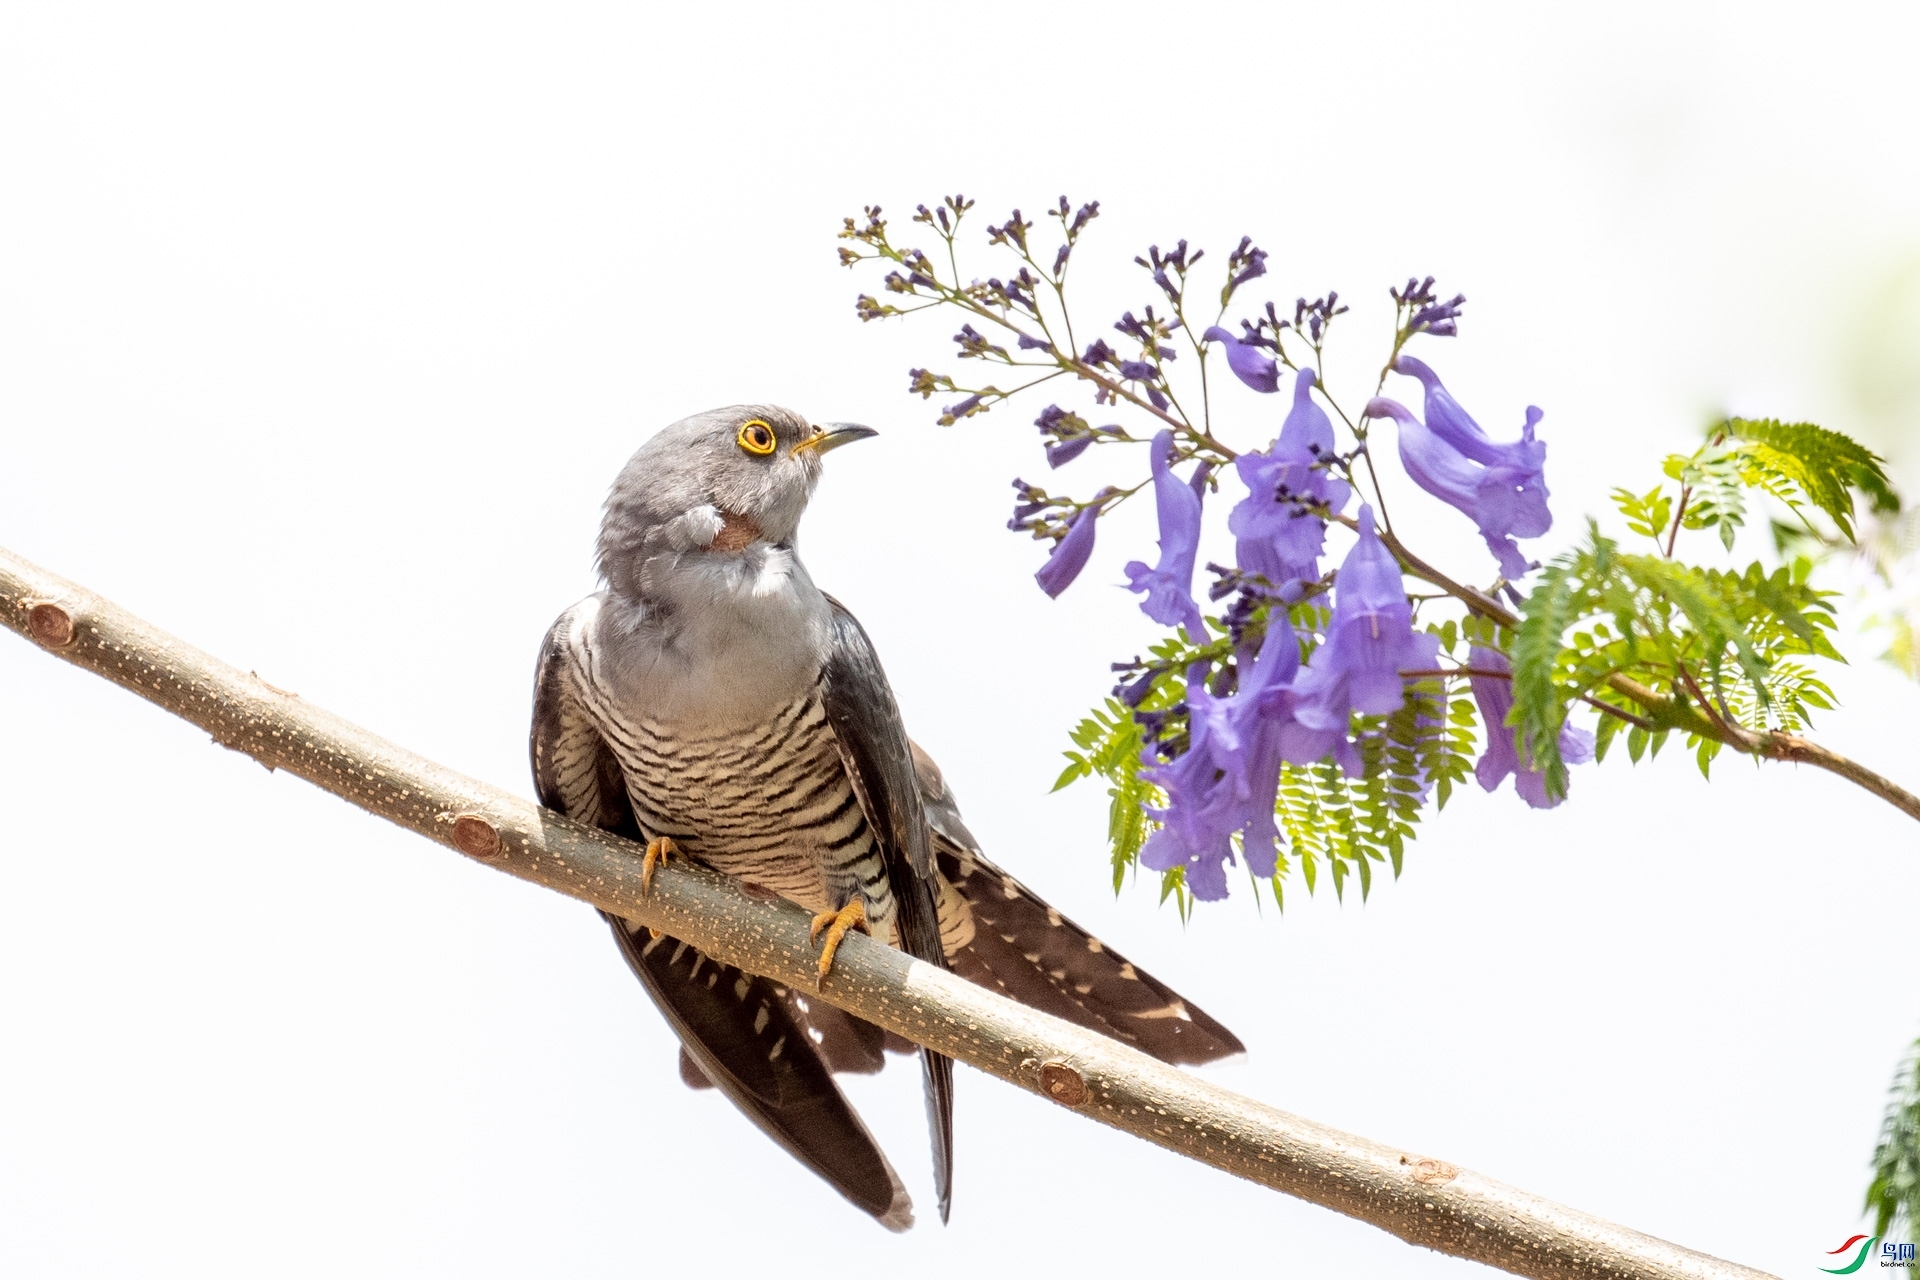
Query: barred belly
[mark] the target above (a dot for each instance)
(771, 804)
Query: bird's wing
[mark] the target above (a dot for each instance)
(873, 746)
(740, 1032)
(1002, 935)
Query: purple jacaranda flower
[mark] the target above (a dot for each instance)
(1141, 331)
(1277, 538)
(1369, 643)
(1227, 779)
(1502, 757)
(1027, 512)
(1169, 584)
(1245, 263)
(1197, 825)
(1446, 419)
(1249, 364)
(1069, 555)
(1500, 486)
(1065, 451)
(1301, 744)
(1441, 319)
(1134, 692)
(1138, 370)
(1030, 343)
(1067, 434)
(1099, 353)
(1267, 737)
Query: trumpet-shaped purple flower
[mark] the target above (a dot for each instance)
(1500, 486)
(1265, 704)
(1277, 537)
(1303, 744)
(1502, 757)
(1202, 813)
(1370, 642)
(1249, 364)
(1061, 453)
(1227, 778)
(1169, 584)
(1069, 555)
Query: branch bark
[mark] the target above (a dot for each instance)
(1423, 1200)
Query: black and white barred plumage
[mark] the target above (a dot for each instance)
(769, 802)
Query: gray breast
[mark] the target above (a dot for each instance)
(770, 802)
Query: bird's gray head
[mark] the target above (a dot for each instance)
(716, 493)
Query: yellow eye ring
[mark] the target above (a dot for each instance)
(756, 437)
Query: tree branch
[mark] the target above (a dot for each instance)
(1422, 1200)
(1674, 713)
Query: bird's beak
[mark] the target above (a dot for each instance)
(832, 436)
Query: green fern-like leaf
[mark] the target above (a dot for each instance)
(1824, 465)
(1731, 637)
(1565, 594)
(1647, 513)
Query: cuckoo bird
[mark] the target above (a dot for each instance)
(714, 704)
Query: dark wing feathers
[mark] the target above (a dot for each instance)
(724, 1018)
(573, 772)
(1003, 936)
(873, 745)
(725, 1040)
(850, 1045)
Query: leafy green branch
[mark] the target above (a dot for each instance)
(1716, 654)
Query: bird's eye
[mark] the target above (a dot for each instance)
(756, 437)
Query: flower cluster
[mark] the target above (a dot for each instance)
(1318, 712)
(1317, 693)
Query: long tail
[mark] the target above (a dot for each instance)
(1000, 934)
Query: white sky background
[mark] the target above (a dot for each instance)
(323, 331)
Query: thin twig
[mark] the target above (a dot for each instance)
(1423, 1200)
(1729, 731)
(1618, 713)
(1673, 534)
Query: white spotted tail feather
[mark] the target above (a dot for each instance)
(1002, 935)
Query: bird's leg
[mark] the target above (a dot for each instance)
(836, 923)
(657, 852)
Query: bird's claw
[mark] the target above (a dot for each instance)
(837, 923)
(657, 852)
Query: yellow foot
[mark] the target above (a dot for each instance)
(836, 923)
(657, 853)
